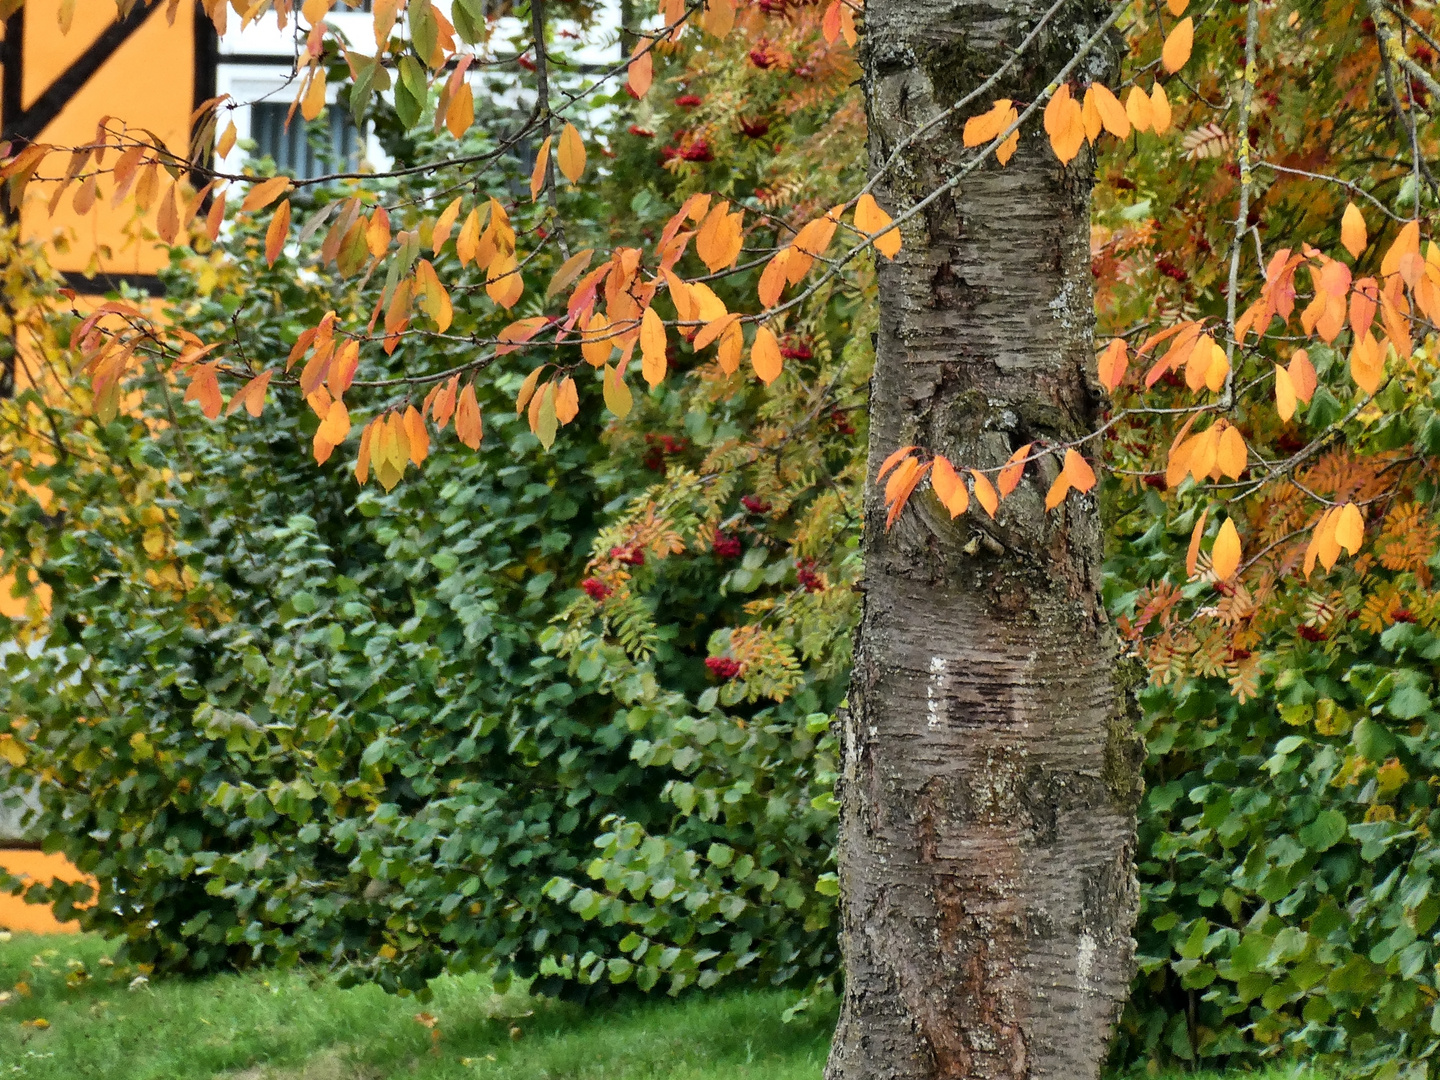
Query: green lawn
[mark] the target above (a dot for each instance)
(66, 1012)
(288, 1026)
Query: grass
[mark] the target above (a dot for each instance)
(67, 1011)
(70, 1013)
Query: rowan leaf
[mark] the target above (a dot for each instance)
(570, 155)
(1178, 45)
(765, 355)
(1225, 554)
(949, 487)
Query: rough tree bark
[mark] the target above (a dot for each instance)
(990, 770)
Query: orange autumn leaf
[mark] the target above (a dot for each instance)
(251, 395)
(652, 348)
(1284, 394)
(264, 193)
(640, 70)
(985, 493)
(537, 174)
(900, 486)
(1014, 468)
(1065, 124)
(1353, 236)
(277, 232)
(988, 126)
(872, 220)
(1113, 363)
(467, 417)
(949, 487)
(765, 355)
(1302, 375)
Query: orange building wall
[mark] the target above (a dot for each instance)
(149, 83)
(17, 915)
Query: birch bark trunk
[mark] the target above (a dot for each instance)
(990, 770)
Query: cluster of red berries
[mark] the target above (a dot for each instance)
(806, 575)
(725, 546)
(1170, 270)
(688, 150)
(688, 101)
(754, 505)
(596, 589)
(660, 446)
(762, 57)
(629, 555)
(841, 422)
(797, 350)
(644, 133)
(755, 129)
(722, 667)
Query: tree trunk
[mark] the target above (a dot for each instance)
(990, 770)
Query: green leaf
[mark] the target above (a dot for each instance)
(1327, 830)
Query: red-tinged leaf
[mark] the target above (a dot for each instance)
(949, 487)
(1192, 556)
(264, 193)
(276, 234)
(251, 395)
(893, 460)
(985, 493)
(519, 332)
(468, 427)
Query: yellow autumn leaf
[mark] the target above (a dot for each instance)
(537, 174)
(570, 155)
(872, 220)
(1353, 235)
(1178, 45)
(652, 348)
(1225, 555)
(765, 355)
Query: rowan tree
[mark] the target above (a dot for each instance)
(989, 775)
